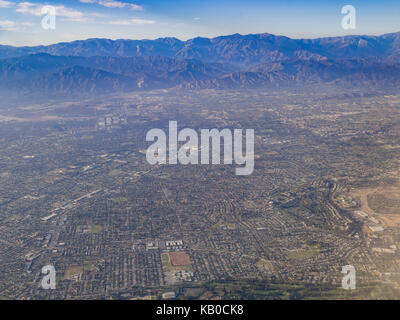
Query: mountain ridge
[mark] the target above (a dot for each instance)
(224, 62)
(229, 48)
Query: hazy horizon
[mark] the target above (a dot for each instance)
(218, 36)
(20, 21)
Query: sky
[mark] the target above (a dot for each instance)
(21, 21)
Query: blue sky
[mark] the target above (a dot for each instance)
(20, 21)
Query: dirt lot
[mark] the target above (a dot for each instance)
(179, 259)
(381, 202)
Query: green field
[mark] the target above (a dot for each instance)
(96, 229)
(303, 254)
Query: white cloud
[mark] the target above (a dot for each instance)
(114, 4)
(27, 24)
(28, 7)
(5, 4)
(8, 25)
(132, 21)
(61, 11)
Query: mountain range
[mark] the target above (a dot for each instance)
(235, 61)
